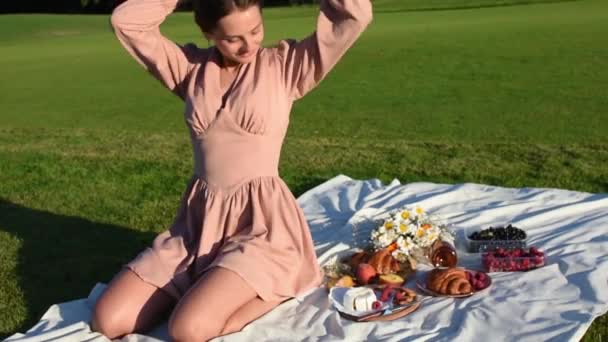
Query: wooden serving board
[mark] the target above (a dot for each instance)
(379, 317)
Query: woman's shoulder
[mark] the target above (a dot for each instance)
(278, 50)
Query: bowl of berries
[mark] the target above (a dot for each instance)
(512, 260)
(493, 237)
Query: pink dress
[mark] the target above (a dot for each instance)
(237, 212)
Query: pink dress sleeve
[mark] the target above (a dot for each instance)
(307, 62)
(136, 24)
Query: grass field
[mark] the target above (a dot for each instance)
(94, 153)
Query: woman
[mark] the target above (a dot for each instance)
(240, 244)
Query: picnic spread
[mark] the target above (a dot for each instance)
(540, 275)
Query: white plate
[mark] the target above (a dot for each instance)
(336, 296)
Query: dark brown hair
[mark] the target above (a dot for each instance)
(207, 13)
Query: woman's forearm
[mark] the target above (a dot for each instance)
(142, 15)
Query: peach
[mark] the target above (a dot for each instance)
(331, 282)
(391, 280)
(365, 273)
(344, 281)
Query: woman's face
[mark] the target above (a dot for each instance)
(239, 35)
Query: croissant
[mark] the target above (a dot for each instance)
(459, 286)
(451, 281)
(439, 274)
(358, 258)
(384, 262)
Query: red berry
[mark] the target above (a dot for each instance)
(386, 293)
(376, 305)
(533, 250)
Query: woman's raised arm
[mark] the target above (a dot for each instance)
(136, 24)
(305, 63)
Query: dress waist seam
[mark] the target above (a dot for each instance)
(228, 191)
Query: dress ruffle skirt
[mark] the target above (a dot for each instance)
(255, 231)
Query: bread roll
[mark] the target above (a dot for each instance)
(452, 281)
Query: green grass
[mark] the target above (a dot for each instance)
(94, 153)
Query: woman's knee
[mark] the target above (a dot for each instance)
(232, 326)
(128, 305)
(106, 322)
(187, 329)
(203, 311)
(248, 313)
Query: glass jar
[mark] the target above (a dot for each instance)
(442, 254)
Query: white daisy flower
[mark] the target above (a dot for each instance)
(412, 228)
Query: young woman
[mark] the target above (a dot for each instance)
(240, 244)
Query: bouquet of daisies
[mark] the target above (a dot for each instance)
(407, 232)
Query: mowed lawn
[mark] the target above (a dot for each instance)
(94, 153)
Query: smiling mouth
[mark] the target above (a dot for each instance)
(245, 55)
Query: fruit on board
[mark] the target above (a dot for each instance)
(391, 280)
(365, 273)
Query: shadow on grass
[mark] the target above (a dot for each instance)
(601, 184)
(61, 257)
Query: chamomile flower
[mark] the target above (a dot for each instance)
(409, 228)
(412, 229)
(405, 244)
(403, 228)
(389, 225)
(391, 234)
(420, 233)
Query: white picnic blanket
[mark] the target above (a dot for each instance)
(557, 302)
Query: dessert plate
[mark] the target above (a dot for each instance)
(421, 284)
(336, 296)
(387, 310)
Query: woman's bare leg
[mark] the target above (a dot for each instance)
(204, 310)
(246, 314)
(129, 305)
